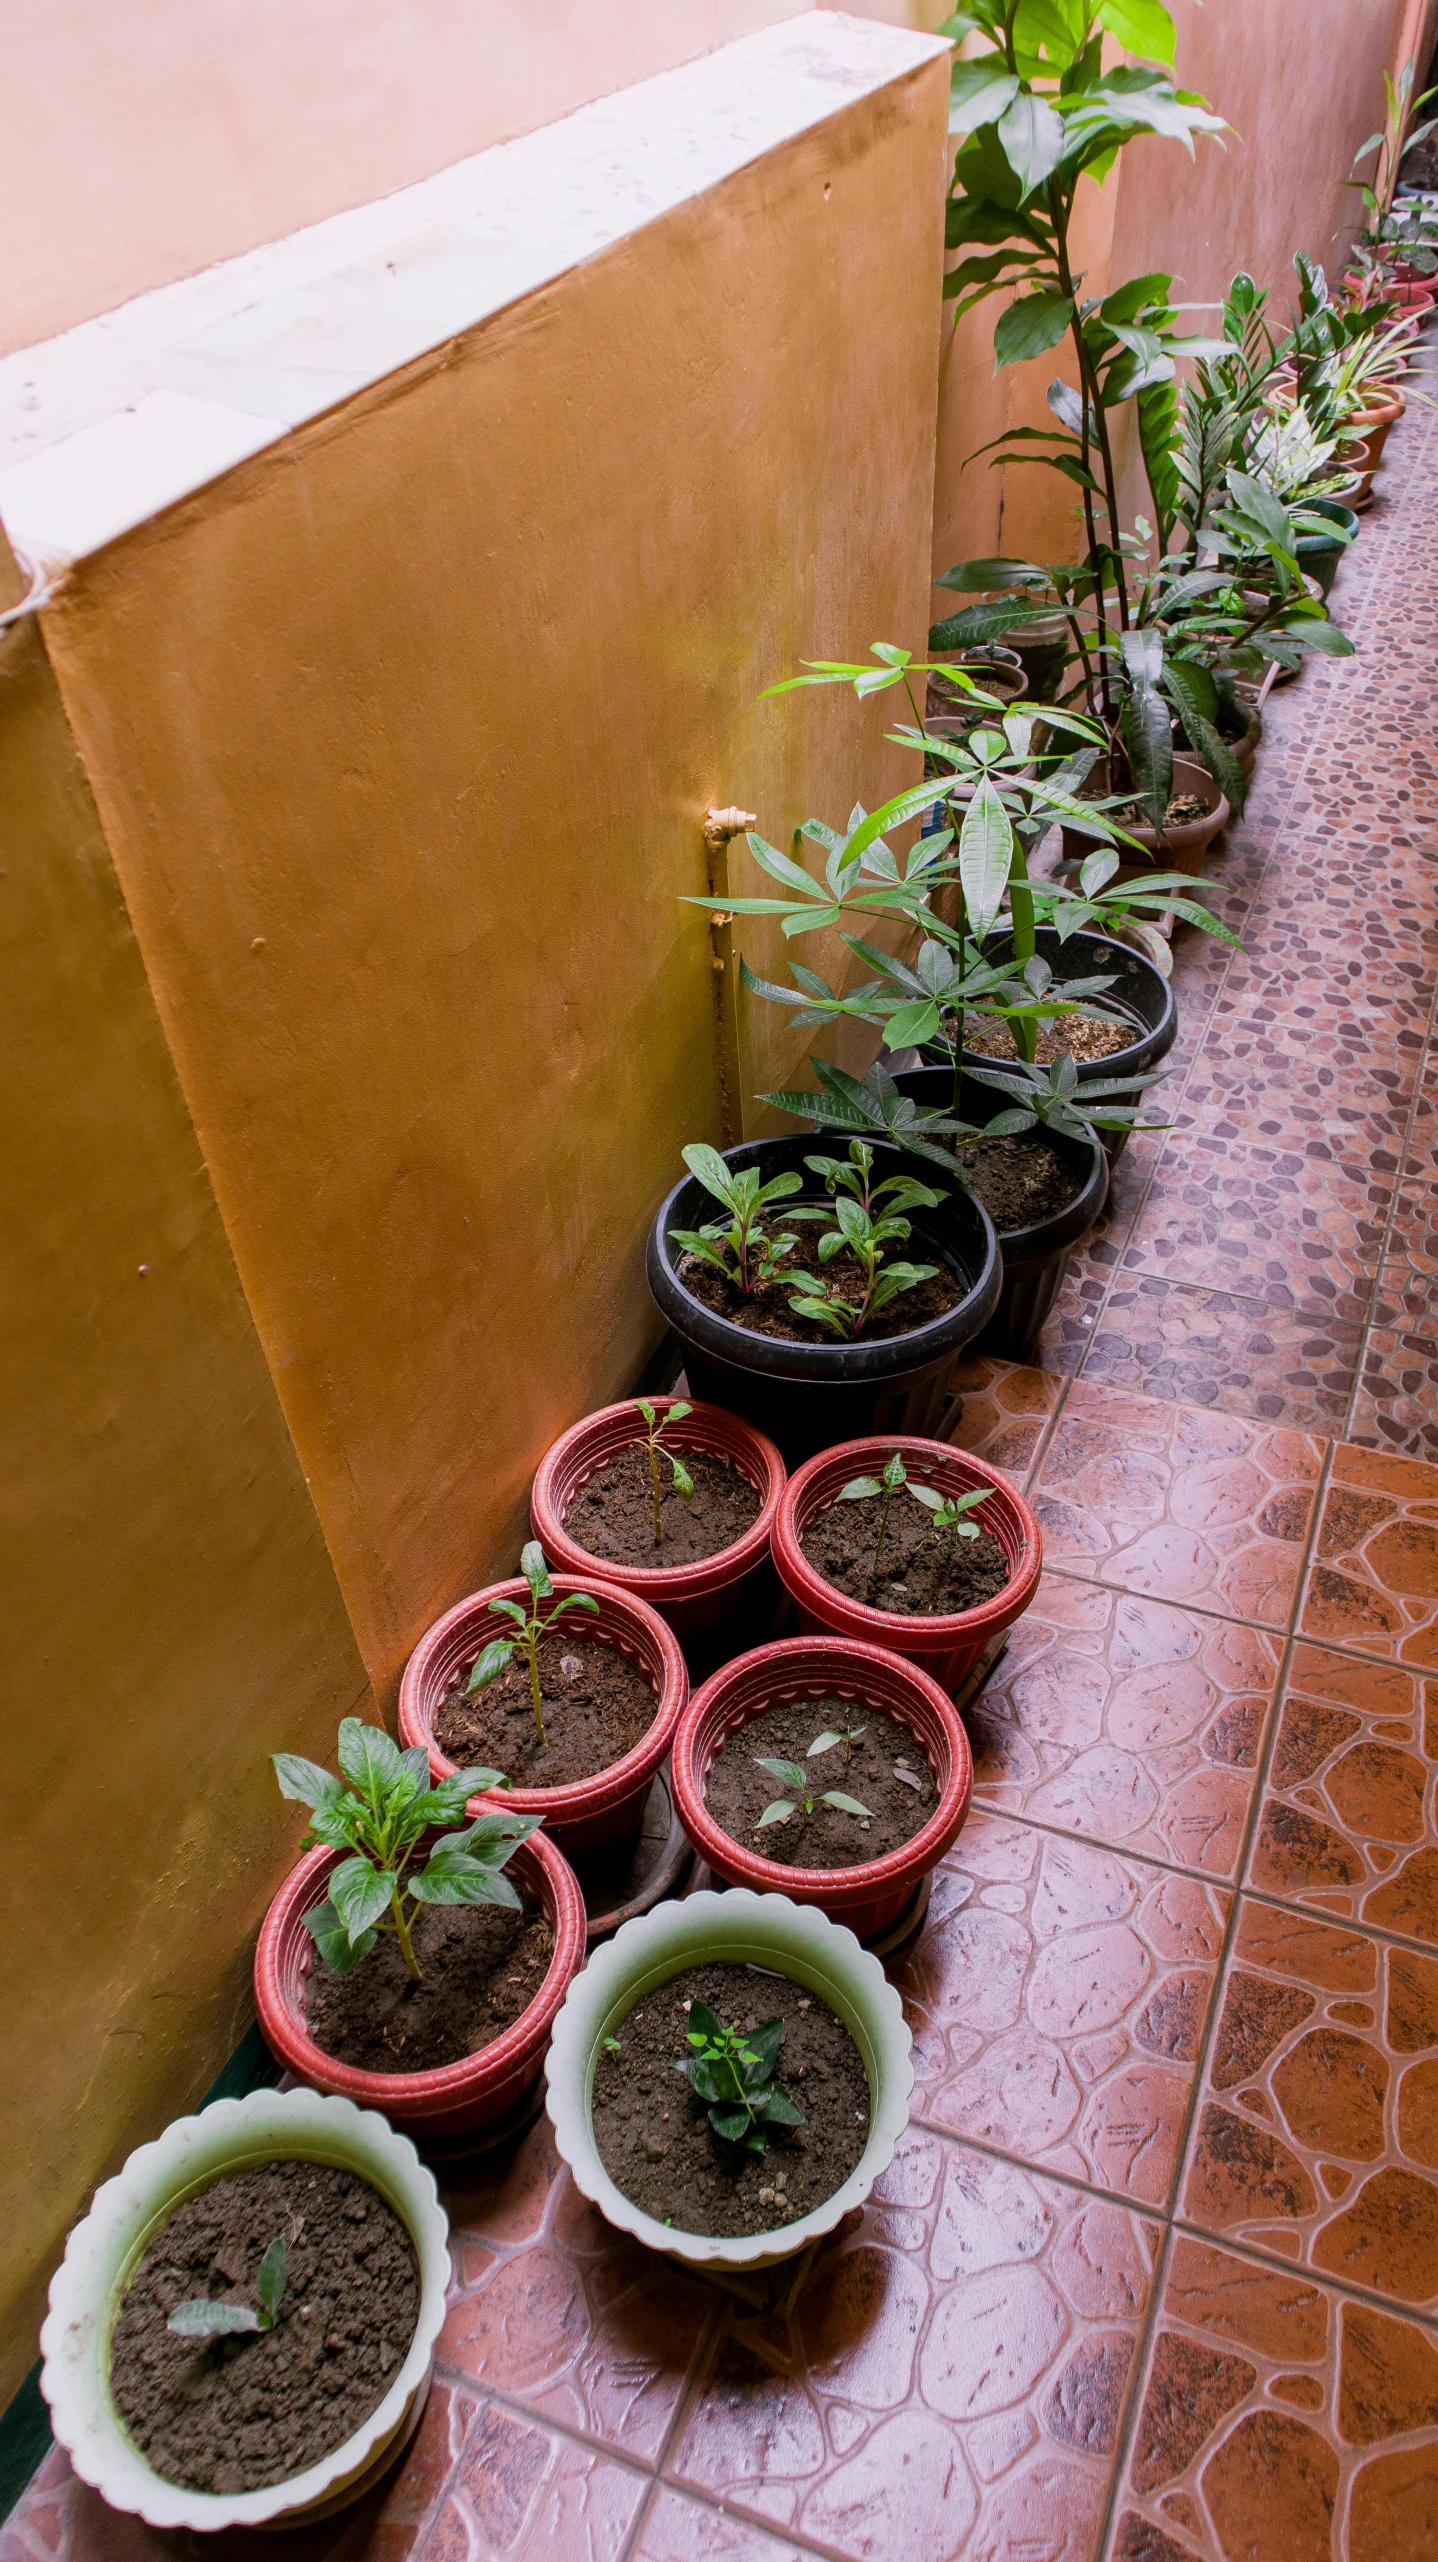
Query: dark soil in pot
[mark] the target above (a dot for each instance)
(652, 2129)
(887, 1773)
(1182, 811)
(1069, 1036)
(237, 2413)
(596, 1706)
(926, 1576)
(767, 1310)
(612, 1516)
(481, 1966)
(1019, 1180)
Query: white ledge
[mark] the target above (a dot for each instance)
(124, 416)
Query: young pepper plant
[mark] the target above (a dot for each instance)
(734, 2073)
(379, 1810)
(530, 1631)
(655, 1426)
(204, 2318)
(802, 1799)
(947, 1512)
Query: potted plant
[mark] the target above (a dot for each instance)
(831, 1771)
(157, 2415)
(415, 1957)
(647, 2106)
(812, 1315)
(908, 1544)
(579, 1681)
(671, 1499)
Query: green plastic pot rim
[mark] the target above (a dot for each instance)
(106, 2245)
(737, 1927)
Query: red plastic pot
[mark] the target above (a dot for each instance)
(948, 1645)
(874, 1894)
(454, 2099)
(697, 1600)
(588, 1817)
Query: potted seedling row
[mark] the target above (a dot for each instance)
(911, 1545)
(822, 1300)
(242, 2331)
(826, 1770)
(415, 1957)
(728, 2078)
(672, 1500)
(572, 1687)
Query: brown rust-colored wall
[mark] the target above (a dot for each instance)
(170, 1614)
(402, 735)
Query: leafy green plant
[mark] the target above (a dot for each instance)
(530, 1631)
(1392, 143)
(867, 1218)
(1040, 1098)
(734, 2072)
(947, 1512)
(655, 1426)
(741, 1246)
(831, 1739)
(802, 1797)
(379, 1810)
(203, 2319)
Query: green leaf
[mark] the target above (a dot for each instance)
(270, 2286)
(777, 1811)
(534, 1567)
(1033, 142)
(979, 92)
(708, 1166)
(497, 1655)
(731, 2123)
(780, 2109)
(200, 2320)
(1149, 739)
(858, 1490)
(763, 2045)
(986, 849)
(452, 1877)
(845, 1805)
(368, 1757)
(1030, 326)
(305, 1781)
(823, 1743)
(787, 1773)
(339, 1951)
(360, 1892)
(1140, 26)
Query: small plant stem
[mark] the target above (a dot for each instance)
(654, 1483)
(406, 1943)
(532, 1643)
(885, 1500)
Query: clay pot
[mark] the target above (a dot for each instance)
(1319, 556)
(1183, 848)
(697, 1601)
(946, 1647)
(868, 1897)
(453, 2099)
(588, 1817)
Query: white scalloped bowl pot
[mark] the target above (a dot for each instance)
(736, 1928)
(101, 2258)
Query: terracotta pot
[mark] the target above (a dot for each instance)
(1183, 848)
(590, 1816)
(453, 2099)
(865, 1898)
(698, 1600)
(947, 1647)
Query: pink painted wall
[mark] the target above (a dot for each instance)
(148, 139)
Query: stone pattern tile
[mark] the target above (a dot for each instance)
(1317, 2134)
(1212, 1348)
(953, 2385)
(1373, 1582)
(1129, 1722)
(1058, 1998)
(1280, 2422)
(1001, 1412)
(1178, 1502)
(1349, 1824)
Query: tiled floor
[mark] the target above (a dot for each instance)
(1154, 2275)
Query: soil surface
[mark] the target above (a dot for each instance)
(596, 1706)
(887, 1773)
(652, 2128)
(1182, 811)
(766, 1311)
(236, 2413)
(1019, 1180)
(923, 1576)
(481, 1967)
(1071, 1036)
(612, 1516)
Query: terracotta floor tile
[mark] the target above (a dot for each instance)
(1058, 1998)
(1127, 1721)
(953, 2386)
(1373, 1583)
(523, 2494)
(1210, 1348)
(1280, 2422)
(570, 2318)
(1317, 2134)
(1000, 1412)
(1267, 1221)
(1349, 1825)
(60, 2519)
(1178, 1502)
(680, 2530)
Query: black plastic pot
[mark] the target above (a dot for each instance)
(1319, 557)
(807, 1396)
(1033, 1257)
(1139, 991)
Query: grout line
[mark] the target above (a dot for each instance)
(1314, 1914)
(1396, 2306)
(1118, 2475)
(1199, 1609)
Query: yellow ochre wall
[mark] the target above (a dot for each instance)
(401, 737)
(170, 1614)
